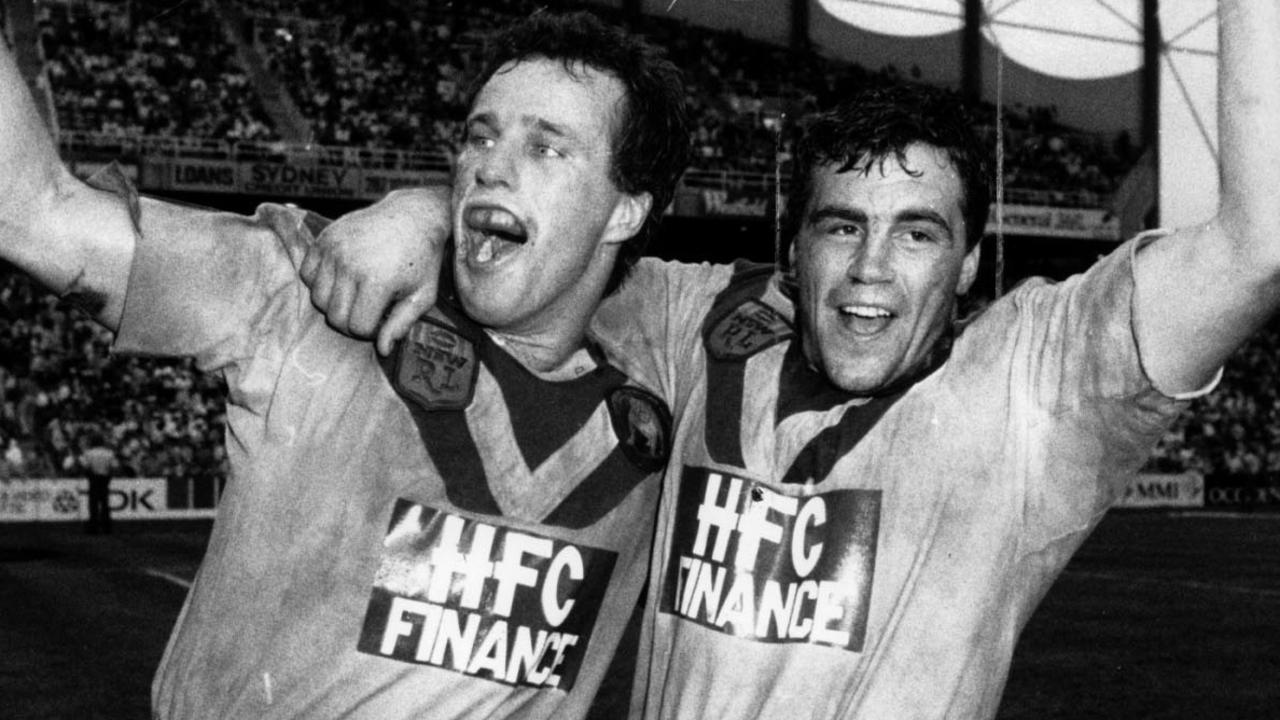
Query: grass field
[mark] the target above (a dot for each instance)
(1157, 617)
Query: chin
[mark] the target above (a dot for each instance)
(857, 388)
(851, 382)
(855, 378)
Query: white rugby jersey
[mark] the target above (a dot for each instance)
(439, 535)
(821, 556)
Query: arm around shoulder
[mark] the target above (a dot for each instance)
(377, 269)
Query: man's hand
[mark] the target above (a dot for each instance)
(384, 256)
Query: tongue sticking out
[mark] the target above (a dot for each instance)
(495, 233)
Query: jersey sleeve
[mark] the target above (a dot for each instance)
(1084, 410)
(653, 323)
(1084, 331)
(213, 286)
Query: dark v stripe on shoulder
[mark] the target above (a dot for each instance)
(545, 415)
(824, 450)
(598, 493)
(726, 372)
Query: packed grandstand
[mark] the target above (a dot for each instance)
(367, 78)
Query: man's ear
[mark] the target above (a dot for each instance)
(969, 269)
(628, 217)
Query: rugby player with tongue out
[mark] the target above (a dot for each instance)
(538, 216)
(459, 530)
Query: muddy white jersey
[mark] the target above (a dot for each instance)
(825, 556)
(437, 534)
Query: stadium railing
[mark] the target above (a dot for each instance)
(106, 147)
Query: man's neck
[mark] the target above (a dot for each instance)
(549, 359)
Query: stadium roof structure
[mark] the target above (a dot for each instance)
(1084, 41)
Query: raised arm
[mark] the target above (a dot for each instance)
(1204, 290)
(74, 239)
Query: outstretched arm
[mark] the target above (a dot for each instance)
(74, 239)
(1202, 291)
(385, 256)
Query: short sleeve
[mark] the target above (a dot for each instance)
(211, 285)
(1081, 334)
(1081, 415)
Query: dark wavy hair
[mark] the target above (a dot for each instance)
(651, 147)
(879, 124)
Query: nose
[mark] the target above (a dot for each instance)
(872, 261)
(495, 166)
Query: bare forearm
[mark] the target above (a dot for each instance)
(74, 239)
(30, 162)
(425, 207)
(1206, 289)
(1249, 138)
(386, 257)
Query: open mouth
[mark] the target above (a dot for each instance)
(865, 319)
(492, 232)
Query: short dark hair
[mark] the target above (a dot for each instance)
(652, 146)
(880, 123)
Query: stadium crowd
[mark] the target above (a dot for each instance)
(392, 75)
(1235, 429)
(147, 68)
(371, 77)
(59, 385)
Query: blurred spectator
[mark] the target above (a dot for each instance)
(1236, 428)
(392, 75)
(147, 67)
(98, 463)
(59, 385)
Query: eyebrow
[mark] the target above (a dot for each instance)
(835, 212)
(924, 215)
(547, 126)
(483, 118)
(567, 135)
(538, 123)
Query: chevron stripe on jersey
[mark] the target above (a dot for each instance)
(738, 327)
(554, 454)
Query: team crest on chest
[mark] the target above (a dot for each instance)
(746, 329)
(643, 426)
(437, 366)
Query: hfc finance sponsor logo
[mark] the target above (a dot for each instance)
(771, 567)
(485, 600)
